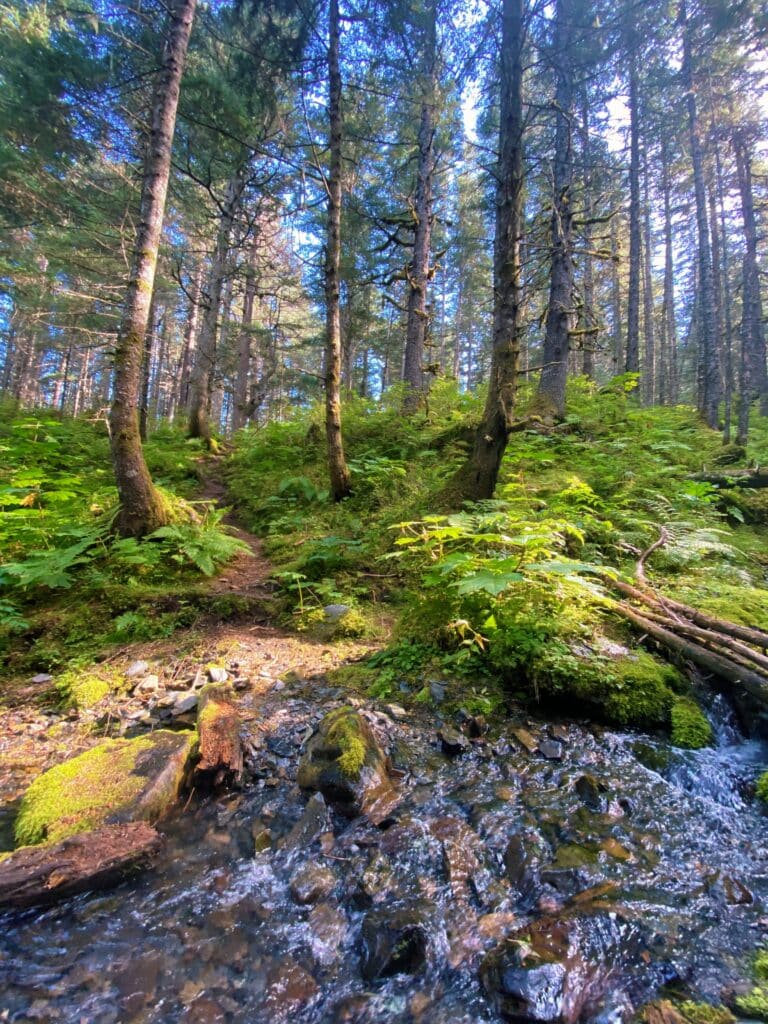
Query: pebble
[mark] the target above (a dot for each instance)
(41, 677)
(217, 675)
(552, 750)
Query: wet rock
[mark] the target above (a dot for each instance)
(136, 668)
(329, 930)
(453, 742)
(396, 941)
(461, 852)
(552, 750)
(313, 823)
(289, 988)
(527, 740)
(590, 792)
(559, 969)
(217, 674)
(351, 1010)
(312, 882)
(475, 726)
(522, 862)
(345, 763)
(204, 1010)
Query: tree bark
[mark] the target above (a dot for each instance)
(141, 508)
(201, 383)
(589, 318)
(617, 341)
(726, 276)
(240, 397)
(668, 382)
(551, 392)
(633, 297)
(710, 390)
(419, 271)
(190, 335)
(649, 362)
(337, 465)
(478, 478)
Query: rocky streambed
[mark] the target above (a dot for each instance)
(543, 872)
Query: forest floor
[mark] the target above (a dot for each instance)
(37, 733)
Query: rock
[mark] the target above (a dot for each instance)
(41, 678)
(313, 823)
(526, 740)
(345, 763)
(474, 725)
(462, 852)
(216, 674)
(149, 684)
(395, 941)
(453, 741)
(590, 792)
(183, 703)
(289, 989)
(552, 750)
(136, 668)
(312, 882)
(336, 612)
(329, 929)
(523, 857)
(559, 969)
(219, 724)
(116, 782)
(39, 875)
(437, 691)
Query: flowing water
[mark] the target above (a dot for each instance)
(266, 907)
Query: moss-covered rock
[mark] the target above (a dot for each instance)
(345, 763)
(690, 726)
(762, 788)
(631, 690)
(755, 1003)
(115, 782)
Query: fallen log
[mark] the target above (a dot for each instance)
(218, 725)
(41, 875)
(738, 478)
(741, 652)
(752, 682)
(667, 606)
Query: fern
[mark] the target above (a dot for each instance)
(205, 545)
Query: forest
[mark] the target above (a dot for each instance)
(383, 511)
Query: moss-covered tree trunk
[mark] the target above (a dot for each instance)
(141, 507)
(477, 479)
(337, 465)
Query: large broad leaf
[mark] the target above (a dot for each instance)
(487, 582)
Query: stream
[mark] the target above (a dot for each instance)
(648, 864)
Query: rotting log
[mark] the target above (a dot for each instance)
(219, 724)
(40, 875)
(755, 478)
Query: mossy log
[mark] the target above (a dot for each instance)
(40, 875)
(219, 724)
(738, 478)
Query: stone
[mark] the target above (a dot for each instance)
(183, 703)
(437, 691)
(336, 612)
(41, 678)
(590, 792)
(312, 882)
(523, 857)
(289, 988)
(552, 750)
(526, 740)
(396, 941)
(314, 822)
(453, 742)
(462, 852)
(136, 668)
(345, 763)
(116, 782)
(329, 929)
(149, 684)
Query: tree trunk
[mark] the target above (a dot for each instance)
(668, 383)
(337, 465)
(141, 508)
(752, 338)
(633, 297)
(201, 383)
(190, 336)
(478, 478)
(240, 397)
(618, 348)
(710, 385)
(589, 319)
(649, 362)
(726, 276)
(419, 271)
(554, 374)
(146, 366)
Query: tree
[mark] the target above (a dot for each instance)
(478, 478)
(337, 465)
(142, 509)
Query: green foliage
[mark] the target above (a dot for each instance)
(705, 1013)
(204, 545)
(755, 1003)
(762, 788)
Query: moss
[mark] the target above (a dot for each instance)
(761, 789)
(755, 1003)
(344, 731)
(84, 689)
(690, 727)
(634, 690)
(95, 786)
(572, 855)
(704, 1013)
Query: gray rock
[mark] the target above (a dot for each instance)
(335, 612)
(552, 750)
(183, 703)
(314, 821)
(217, 675)
(136, 668)
(453, 741)
(150, 684)
(437, 692)
(41, 677)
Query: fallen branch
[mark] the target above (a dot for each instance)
(738, 478)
